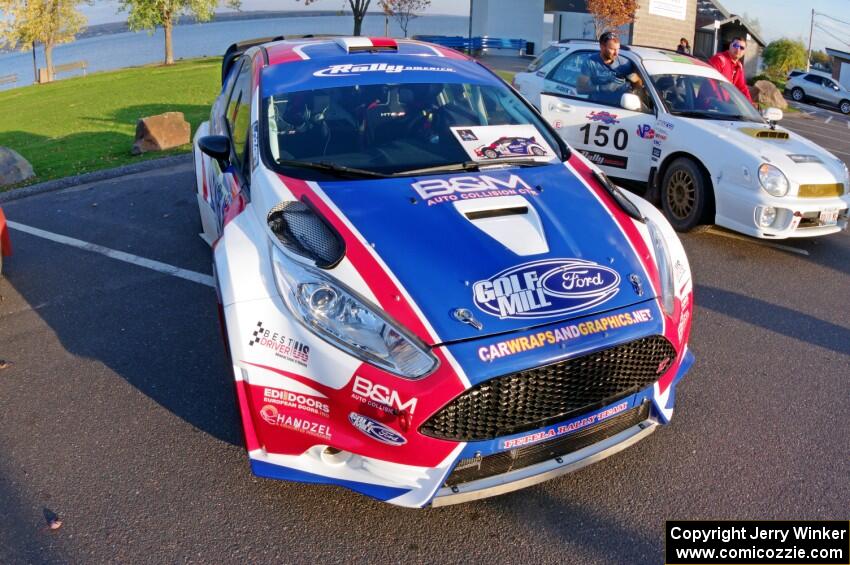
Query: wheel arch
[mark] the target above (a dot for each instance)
(711, 211)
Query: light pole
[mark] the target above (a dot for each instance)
(34, 64)
(811, 31)
(469, 45)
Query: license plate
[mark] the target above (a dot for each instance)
(829, 217)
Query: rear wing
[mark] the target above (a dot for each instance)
(238, 49)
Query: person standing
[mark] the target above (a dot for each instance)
(684, 47)
(728, 63)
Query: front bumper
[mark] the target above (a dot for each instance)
(412, 486)
(739, 209)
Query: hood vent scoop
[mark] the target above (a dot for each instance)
(510, 220)
(759, 133)
(304, 232)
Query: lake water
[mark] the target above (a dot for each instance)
(209, 39)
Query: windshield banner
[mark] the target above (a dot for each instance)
(492, 143)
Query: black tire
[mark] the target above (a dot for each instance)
(844, 106)
(685, 194)
(798, 94)
(490, 154)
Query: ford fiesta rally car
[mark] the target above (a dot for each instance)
(407, 319)
(699, 144)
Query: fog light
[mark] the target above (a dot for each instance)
(767, 216)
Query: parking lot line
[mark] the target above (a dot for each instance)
(829, 119)
(157, 266)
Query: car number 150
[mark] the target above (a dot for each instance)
(601, 137)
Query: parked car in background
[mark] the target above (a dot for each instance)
(696, 141)
(410, 319)
(820, 87)
(5, 242)
(795, 73)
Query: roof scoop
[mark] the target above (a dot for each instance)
(510, 220)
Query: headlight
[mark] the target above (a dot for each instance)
(344, 319)
(773, 180)
(665, 267)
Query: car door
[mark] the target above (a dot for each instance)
(229, 185)
(831, 90)
(813, 86)
(616, 139)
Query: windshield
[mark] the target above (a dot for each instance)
(703, 97)
(399, 128)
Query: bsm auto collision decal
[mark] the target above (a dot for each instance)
(438, 191)
(542, 289)
(536, 340)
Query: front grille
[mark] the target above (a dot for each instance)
(821, 190)
(474, 468)
(537, 397)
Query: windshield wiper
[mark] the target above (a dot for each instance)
(338, 170)
(710, 115)
(473, 166)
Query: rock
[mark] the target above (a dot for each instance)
(164, 131)
(13, 167)
(767, 95)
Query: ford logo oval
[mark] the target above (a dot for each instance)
(376, 430)
(547, 288)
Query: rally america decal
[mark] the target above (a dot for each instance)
(351, 70)
(547, 288)
(606, 159)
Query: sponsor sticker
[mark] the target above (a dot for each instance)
(606, 159)
(563, 429)
(283, 346)
(656, 152)
(271, 415)
(381, 397)
(491, 143)
(604, 117)
(255, 145)
(305, 402)
(571, 332)
(438, 191)
(666, 124)
(542, 289)
(386, 68)
(660, 135)
(645, 131)
(376, 430)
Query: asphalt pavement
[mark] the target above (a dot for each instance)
(828, 128)
(117, 414)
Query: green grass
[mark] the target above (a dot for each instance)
(88, 123)
(507, 76)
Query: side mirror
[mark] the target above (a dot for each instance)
(835, 87)
(772, 114)
(217, 147)
(630, 102)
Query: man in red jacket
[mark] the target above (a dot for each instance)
(728, 63)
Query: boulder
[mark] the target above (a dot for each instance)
(13, 167)
(160, 132)
(767, 95)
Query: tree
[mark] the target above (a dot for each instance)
(611, 14)
(151, 14)
(358, 9)
(821, 59)
(404, 10)
(783, 55)
(49, 22)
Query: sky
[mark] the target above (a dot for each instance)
(778, 18)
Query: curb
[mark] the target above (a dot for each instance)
(106, 174)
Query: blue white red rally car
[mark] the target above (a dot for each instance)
(508, 146)
(406, 319)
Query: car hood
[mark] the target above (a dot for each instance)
(514, 248)
(776, 147)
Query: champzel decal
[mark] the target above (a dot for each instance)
(271, 415)
(352, 70)
(376, 430)
(542, 289)
(437, 191)
(605, 159)
(283, 347)
(562, 429)
(530, 342)
(604, 117)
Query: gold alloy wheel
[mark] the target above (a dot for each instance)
(681, 194)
